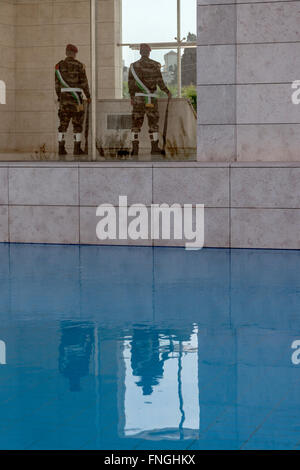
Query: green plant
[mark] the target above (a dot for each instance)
(190, 93)
(125, 90)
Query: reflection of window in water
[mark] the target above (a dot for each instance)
(161, 383)
(2, 352)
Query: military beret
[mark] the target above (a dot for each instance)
(145, 47)
(71, 47)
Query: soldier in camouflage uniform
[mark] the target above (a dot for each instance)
(70, 82)
(143, 79)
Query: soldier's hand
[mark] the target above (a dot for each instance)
(89, 100)
(169, 95)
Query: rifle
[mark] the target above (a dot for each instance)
(87, 125)
(163, 152)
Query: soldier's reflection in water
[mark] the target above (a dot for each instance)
(148, 354)
(75, 351)
(145, 360)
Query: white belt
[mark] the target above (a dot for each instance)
(150, 95)
(70, 90)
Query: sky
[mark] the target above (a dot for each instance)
(155, 21)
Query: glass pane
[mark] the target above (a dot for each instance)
(34, 120)
(36, 35)
(154, 21)
(188, 18)
(131, 125)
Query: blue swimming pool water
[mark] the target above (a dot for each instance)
(141, 348)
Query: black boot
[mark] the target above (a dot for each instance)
(61, 148)
(155, 150)
(77, 149)
(135, 148)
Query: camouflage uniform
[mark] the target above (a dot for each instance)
(73, 73)
(148, 71)
(70, 83)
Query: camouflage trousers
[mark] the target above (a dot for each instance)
(138, 113)
(66, 113)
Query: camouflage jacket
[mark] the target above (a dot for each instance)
(74, 74)
(148, 71)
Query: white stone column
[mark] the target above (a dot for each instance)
(268, 61)
(109, 54)
(248, 57)
(216, 65)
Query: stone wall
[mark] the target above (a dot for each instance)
(246, 205)
(7, 74)
(248, 55)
